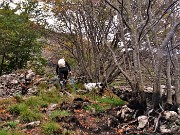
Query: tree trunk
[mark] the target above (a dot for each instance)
(176, 75)
(168, 80)
(158, 66)
(2, 63)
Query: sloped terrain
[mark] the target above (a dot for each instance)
(44, 110)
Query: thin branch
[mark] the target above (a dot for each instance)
(157, 122)
(124, 21)
(175, 47)
(149, 4)
(153, 24)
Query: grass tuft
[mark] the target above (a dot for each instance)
(30, 115)
(114, 101)
(16, 109)
(50, 128)
(12, 124)
(58, 113)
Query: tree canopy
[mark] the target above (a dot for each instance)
(18, 39)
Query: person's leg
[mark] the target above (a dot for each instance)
(61, 78)
(65, 74)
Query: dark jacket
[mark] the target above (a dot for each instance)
(66, 66)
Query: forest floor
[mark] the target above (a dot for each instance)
(78, 114)
(47, 111)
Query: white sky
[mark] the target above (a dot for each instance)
(12, 4)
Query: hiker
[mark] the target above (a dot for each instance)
(62, 70)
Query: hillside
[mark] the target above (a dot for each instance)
(46, 111)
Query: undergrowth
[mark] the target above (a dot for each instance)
(29, 109)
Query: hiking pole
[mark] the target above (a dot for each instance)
(72, 81)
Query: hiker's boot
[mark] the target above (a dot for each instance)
(61, 85)
(65, 82)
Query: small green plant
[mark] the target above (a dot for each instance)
(35, 102)
(15, 132)
(66, 132)
(18, 98)
(50, 128)
(32, 101)
(114, 101)
(12, 124)
(51, 96)
(6, 101)
(44, 105)
(42, 86)
(79, 85)
(3, 132)
(97, 107)
(17, 108)
(10, 132)
(59, 114)
(30, 115)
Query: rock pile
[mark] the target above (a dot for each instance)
(15, 83)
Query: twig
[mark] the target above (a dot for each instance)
(130, 122)
(23, 85)
(161, 108)
(157, 122)
(3, 124)
(149, 115)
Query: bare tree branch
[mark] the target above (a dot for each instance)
(147, 13)
(157, 21)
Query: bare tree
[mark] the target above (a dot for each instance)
(118, 37)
